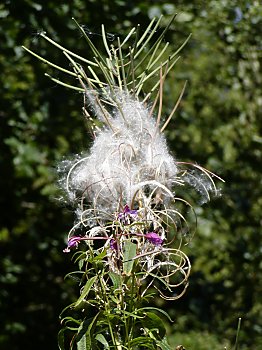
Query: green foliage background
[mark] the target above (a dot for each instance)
(218, 126)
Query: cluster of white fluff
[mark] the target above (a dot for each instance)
(128, 160)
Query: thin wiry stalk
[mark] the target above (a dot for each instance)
(66, 50)
(174, 109)
(49, 63)
(237, 335)
(158, 82)
(64, 84)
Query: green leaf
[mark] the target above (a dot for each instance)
(61, 339)
(86, 290)
(129, 254)
(99, 337)
(116, 279)
(72, 275)
(155, 324)
(100, 256)
(84, 335)
(143, 342)
(69, 319)
(82, 344)
(68, 307)
(163, 344)
(157, 309)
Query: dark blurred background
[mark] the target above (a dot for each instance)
(218, 125)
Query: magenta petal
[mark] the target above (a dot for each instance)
(126, 209)
(113, 244)
(72, 242)
(154, 238)
(127, 212)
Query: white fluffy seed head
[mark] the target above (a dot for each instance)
(128, 156)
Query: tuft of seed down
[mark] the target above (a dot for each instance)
(128, 156)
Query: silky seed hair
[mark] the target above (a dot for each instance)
(124, 158)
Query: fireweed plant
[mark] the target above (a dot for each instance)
(130, 223)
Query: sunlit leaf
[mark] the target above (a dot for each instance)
(129, 254)
(99, 337)
(86, 290)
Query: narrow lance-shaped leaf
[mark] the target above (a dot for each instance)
(154, 323)
(61, 339)
(84, 336)
(157, 309)
(86, 290)
(163, 344)
(116, 279)
(102, 340)
(129, 254)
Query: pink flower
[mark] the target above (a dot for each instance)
(72, 242)
(154, 238)
(113, 244)
(126, 214)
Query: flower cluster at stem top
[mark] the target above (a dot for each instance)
(126, 217)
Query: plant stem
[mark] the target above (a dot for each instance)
(237, 335)
(130, 320)
(107, 310)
